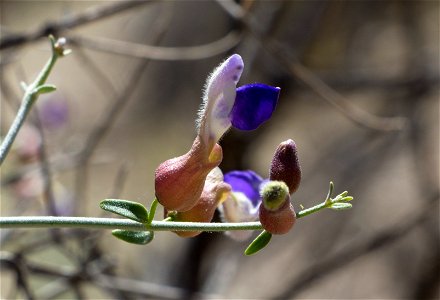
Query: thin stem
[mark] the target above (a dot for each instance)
(30, 96)
(113, 223)
(311, 210)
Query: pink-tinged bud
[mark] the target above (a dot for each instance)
(280, 221)
(179, 181)
(214, 192)
(277, 215)
(285, 165)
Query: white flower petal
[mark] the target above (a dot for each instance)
(219, 98)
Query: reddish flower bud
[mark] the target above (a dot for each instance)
(285, 165)
(280, 221)
(276, 211)
(214, 192)
(179, 181)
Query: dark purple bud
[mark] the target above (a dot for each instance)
(285, 165)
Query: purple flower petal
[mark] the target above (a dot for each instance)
(253, 105)
(247, 182)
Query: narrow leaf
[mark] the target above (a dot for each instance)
(343, 194)
(347, 199)
(45, 88)
(341, 206)
(152, 210)
(259, 243)
(129, 209)
(328, 199)
(134, 237)
(330, 190)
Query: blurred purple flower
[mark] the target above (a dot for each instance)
(54, 112)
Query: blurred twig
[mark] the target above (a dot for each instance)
(15, 262)
(299, 71)
(45, 168)
(156, 52)
(122, 99)
(120, 180)
(367, 245)
(90, 15)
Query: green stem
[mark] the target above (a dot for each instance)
(311, 210)
(30, 96)
(113, 223)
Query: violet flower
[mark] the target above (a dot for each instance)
(224, 105)
(243, 202)
(179, 182)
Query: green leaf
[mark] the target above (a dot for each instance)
(134, 237)
(330, 190)
(343, 194)
(341, 206)
(45, 88)
(328, 199)
(346, 199)
(125, 208)
(259, 243)
(152, 210)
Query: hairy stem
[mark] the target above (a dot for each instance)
(113, 223)
(30, 96)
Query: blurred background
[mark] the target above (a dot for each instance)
(359, 95)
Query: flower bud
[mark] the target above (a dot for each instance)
(179, 181)
(214, 192)
(285, 165)
(274, 194)
(276, 212)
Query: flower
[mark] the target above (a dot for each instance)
(243, 202)
(224, 105)
(214, 192)
(267, 200)
(54, 111)
(179, 181)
